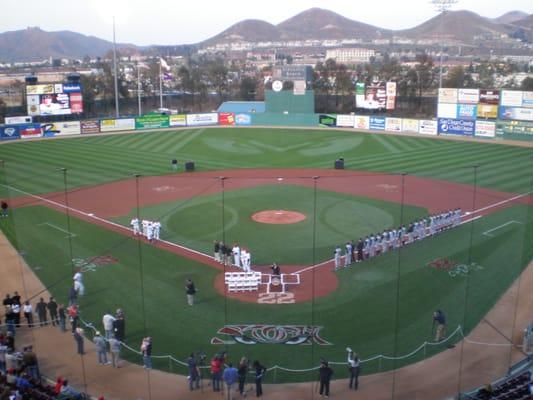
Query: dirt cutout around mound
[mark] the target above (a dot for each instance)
(278, 217)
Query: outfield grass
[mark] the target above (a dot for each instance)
(381, 307)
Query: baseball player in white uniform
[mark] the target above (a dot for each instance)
(144, 225)
(150, 231)
(135, 226)
(78, 283)
(236, 255)
(157, 230)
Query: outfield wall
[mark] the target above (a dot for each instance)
(485, 129)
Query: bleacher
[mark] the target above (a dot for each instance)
(242, 281)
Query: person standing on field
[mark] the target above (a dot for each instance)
(216, 250)
(337, 256)
(107, 321)
(190, 290)
(52, 309)
(440, 319)
(40, 308)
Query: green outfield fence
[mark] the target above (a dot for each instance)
(63, 218)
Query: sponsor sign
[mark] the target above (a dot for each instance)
(511, 98)
(29, 131)
(520, 114)
(226, 118)
(359, 93)
(468, 96)
(393, 124)
(377, 123)
(527, 99)
(18, 120)
(375, 97)
(514, 127)
(466, 111)
(391, 89)
(9, 132)
(447, 95)
(152, 121)
(489, 97)
(40, 89)
(362, 122)
(70, 88)
(427, 127)
(487, 111)
(76, 103)
(485, 129)
(410, 125)
(391, 102)
(449, 126)
(177, 120)
(447, 110)
(346, 121)
(270, 334)
(33, 104)
(277, 86)
(61, 128)
(327, 120)
(202, 119)
(299, 88)
(112, 125)
(243, 119)
(92, 126)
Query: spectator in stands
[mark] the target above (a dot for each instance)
(30, 363)
(68, 391)
(101, 349)
(40, 308)
(78, 338)
(259, 374)
(146, 350)
(216, 368)
(52, 309)
(10, 342)
(230, 377)
(58, 385)
(3, 351)
(114, 349)
(28, 313)
(325, 373)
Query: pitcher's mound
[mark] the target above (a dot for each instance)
(278, 217)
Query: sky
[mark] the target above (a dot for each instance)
(166, 22)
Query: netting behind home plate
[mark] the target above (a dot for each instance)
(418, 245)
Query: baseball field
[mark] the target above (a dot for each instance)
(71, 202)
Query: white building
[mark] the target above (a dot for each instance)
(350, 55)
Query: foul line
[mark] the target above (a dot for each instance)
(69, 234)
(90, 215)
(500, 202)
(487, 233)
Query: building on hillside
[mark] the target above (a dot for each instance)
(351, 55)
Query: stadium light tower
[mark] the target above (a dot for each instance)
(442, 6)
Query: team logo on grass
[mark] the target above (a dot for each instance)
(92, 263)
(271, 334)
(454, 269)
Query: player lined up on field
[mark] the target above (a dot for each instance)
(236, 256)
(151, 230)
(390, 239)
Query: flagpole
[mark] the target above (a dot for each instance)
(117, 111)
(139, 87)
(160, 84)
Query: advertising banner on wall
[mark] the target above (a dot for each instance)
(30, 131)
(243, 119)
(466, 111)
(487, 111)
(527, 99)
(393, 124)
(9, 132)
(177, 120)
(362, 122)
(447, 95)
(61, 128)
(227, 119)
(346, 121)
(327, 120)
(461, 127)
(33, 101)
(511, 98)
(485, 129)
(514, 127)
(113, 125)
(468, 96)
(202, 119)
(520, 114)
(18, 120)
(447, 110)
(377, 123)
(91, 126)
(152, 121)
(428, 127)
(490, 97)
(359, 93)
(410, 125)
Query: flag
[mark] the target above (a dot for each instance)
(164, 64)
(167, 76)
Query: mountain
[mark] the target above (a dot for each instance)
(526, 22)
(34, 44)
(317, 23)
(250, 30)
(510, 17)
(461, 26)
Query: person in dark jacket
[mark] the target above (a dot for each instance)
(242, 371)
(325, 373)
(40, 309)
(259, 374)
(119, 326)
(52, 309)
